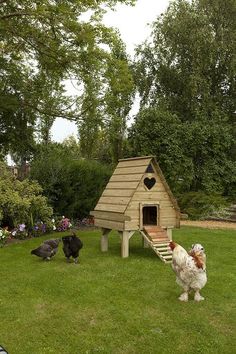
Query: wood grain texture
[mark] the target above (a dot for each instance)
(111, 207)
(113, 225)
(124, 177)
(110, 216)
(130, 170)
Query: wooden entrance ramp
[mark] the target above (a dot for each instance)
(158, 240)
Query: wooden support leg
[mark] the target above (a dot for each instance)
(125, 244)
(169, 234)
(145, 243)
(104, 240)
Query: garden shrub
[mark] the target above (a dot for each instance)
(88, 180)
(71, 185)
(4, 234)
(200, 205)
(40, 228)
(21, 202)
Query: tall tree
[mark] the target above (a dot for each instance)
(107, 101)
(118, 98)
(44, 43)
(188, 70)
(190, 61)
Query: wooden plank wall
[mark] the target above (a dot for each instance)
(109, 212)
(109, 220)
(158, 194)
(119, 206)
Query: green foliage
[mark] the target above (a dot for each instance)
(189, 63)
(193, 155)
(4, 234)
(201, 205)
(49, 168)
(119, 97)
(20, 234)
(21, 202)
(72, 185)
(160, 133)
(107, 100)
(44, 46)
(186, 79)
(72, 146)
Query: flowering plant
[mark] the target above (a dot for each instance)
(53, 225)
(63, 224)
(38, 229)
(4, 234)
(86, 222)
(20, 232)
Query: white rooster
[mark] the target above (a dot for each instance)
(190, 269)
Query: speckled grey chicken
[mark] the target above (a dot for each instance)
(47, 250)
(53, 243)
(44, 251)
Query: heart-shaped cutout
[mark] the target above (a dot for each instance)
(149, 182)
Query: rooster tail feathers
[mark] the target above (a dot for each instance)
(172, 245)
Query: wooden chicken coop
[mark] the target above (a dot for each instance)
(138, 198)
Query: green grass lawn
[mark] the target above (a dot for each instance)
(107, 304)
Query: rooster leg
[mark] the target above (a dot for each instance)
(197, 296)
(184, 297)
(68, 259)
(76, 260)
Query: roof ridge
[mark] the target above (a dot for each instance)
(137, 158)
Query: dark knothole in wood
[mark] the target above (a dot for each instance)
(149, 182)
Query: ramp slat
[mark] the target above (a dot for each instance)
(158, 240)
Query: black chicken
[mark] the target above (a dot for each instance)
(71, 246)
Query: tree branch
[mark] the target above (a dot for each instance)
(15, 14)
(60, 114)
